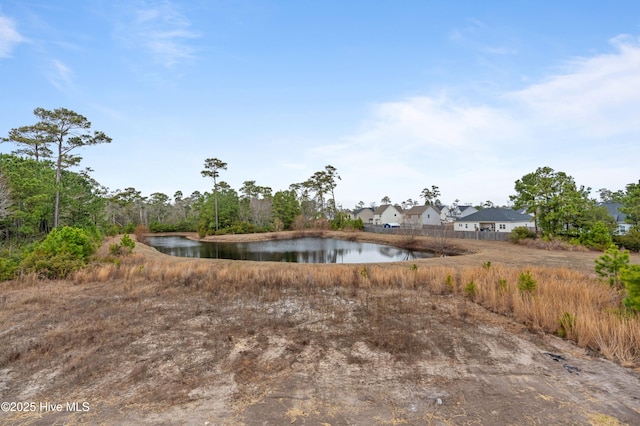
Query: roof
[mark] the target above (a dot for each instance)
(496, 214)
(416, 210)
(358, 211)
(384, 207)
(614, 211)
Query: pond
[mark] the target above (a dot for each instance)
(300, 250)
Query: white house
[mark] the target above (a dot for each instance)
(450, 214)
(495, 219)
(365, 213)
(423, 215)
(620, 218)
(387, 213)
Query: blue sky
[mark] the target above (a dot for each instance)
(397, 95)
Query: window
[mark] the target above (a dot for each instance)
(503, 226)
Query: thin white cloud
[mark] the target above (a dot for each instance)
(159, 28)
(594, 97)
(60, 76)
(9, 37)
(483, 39)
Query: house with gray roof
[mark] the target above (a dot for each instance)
(455, 212)
(423, 215)
(495, 219)
(618, 216)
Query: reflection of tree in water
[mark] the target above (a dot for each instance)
(410, 255)
(306, 250)
(388, 251)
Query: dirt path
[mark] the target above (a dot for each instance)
(139, 353)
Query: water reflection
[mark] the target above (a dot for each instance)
(301, 250)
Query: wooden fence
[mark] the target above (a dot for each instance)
(438, 232)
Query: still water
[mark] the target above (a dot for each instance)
(301, 250)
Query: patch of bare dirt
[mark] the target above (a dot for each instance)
(140, 353)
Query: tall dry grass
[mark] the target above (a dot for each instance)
(564, 302)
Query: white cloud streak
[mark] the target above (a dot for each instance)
(9, 37)
(161, 29)
(60, 76)
(596, 97)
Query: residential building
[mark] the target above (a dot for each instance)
(495, 219)
(387, 213)
(423, 215)
(366, 214)
(453, 213)
(618, 216)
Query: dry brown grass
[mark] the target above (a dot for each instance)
(565, 302)
(554, 244)
(155, 328)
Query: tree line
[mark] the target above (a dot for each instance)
(39, 191)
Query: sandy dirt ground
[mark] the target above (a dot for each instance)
(184, 358)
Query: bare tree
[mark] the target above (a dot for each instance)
(442, 244)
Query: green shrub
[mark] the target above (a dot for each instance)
(364, 273)
(502, 285)
(449, 282)
(125, 246)
(357, 224)
(112, 230)
(342, 222)
(8, 268)
(631, 241)
(630, 277)
(127, 243)
(61, 252)
(521, 233)
(526, 283)
(611, 263)
(567, 326)
(597, 237)
(471, 289)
